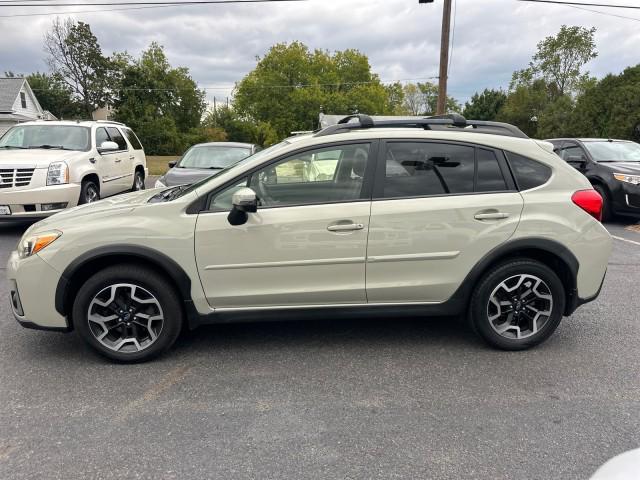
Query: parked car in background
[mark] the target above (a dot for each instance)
(204, 159)
(445, 216)
(46, 167)
(612, 167)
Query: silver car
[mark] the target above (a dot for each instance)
(204, 159)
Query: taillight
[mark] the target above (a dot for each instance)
(590, 201)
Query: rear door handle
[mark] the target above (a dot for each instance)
(118, 160)
(491, 216)
(345, 227)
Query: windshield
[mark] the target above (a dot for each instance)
(213, 157)
(614, 151)
(63, 137)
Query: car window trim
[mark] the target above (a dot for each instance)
(381, 168)
(123, 137)
(365, 194)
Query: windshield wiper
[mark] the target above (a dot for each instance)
(49, 147)
(13, 146)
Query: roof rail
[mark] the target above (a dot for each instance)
(450, 122)
(110, 121)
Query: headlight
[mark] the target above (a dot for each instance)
(58, 173)
(159, 183)
(34, 243)
(635, 179)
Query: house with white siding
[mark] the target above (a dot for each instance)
(18, 103)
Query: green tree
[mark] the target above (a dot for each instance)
(485, 105)
(610, 107)
(524, 106)
(291, 85)
(74, 55)
(238, 129)
(163, 104)
(422, 99)
(55, 95)
(559, 60)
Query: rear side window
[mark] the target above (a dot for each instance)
(133, 139)
(117, 137)
(424, 168)
(528, 173)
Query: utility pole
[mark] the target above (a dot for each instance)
(444, 58)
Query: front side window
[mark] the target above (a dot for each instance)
(331, 174)
(416, 169)
(117, 137)
(59, 137)
(571, 151)
(102, 136)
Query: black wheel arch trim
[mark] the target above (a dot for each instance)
(513, 248)
(133, 252)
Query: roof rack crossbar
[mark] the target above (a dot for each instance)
(450, 122)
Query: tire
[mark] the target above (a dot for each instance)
(519, 333)
(89, 192)
(138, 181)
(145, 330)
(607, 214)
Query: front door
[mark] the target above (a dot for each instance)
(438, 208)
(107, 164)
(306, 244)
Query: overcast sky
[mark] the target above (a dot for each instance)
(219, 43)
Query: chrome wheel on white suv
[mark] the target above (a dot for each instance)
(128, 313)
(517, 305)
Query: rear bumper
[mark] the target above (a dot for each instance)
(27, 204)
(575, 301)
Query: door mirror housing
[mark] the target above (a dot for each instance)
(172, 163)
(577, 161)
(108, 147)
(244, 201)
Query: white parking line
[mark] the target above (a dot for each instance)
(625, 240)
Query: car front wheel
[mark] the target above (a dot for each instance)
(128, 313)
(517, 305)
(89, 192)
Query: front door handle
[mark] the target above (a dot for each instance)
(118, 160)
(132, 158)
(345, 227)
(491, 216)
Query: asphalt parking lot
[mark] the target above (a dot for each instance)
(329, 399)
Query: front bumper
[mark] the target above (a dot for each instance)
(32, 285)
(626, 199)
(27, 203)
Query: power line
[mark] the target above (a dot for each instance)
(604, 13)
(582, 4)
(172, 3)
(87, 11)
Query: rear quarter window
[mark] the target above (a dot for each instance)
(133, 139)
(528, 173)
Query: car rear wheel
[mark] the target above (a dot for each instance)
(89, 192)
(128, 313)
(517, 305)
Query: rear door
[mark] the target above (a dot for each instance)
(136, 151)
(437, 209)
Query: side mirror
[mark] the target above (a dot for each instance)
(172, 163)
(108, 147)
(244, 201)
(577, 161)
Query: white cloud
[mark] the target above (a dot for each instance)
(219, 43)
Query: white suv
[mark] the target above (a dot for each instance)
(46, 167)
(435, 216)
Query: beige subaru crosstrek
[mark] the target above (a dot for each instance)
(434, 216)
(46, 167)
